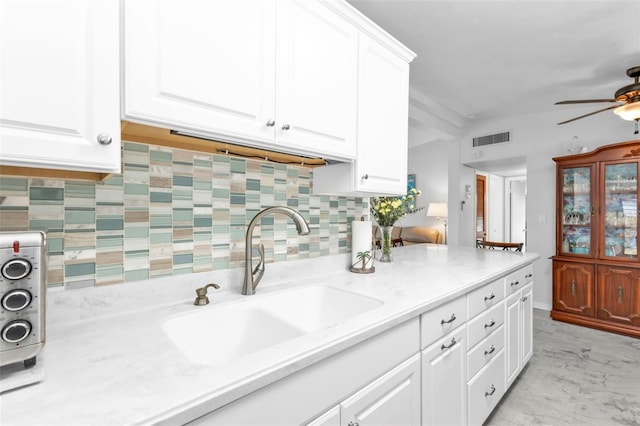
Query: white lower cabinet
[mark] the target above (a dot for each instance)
(485, 390)
(393, 399)
(519, 342)
(444, 399)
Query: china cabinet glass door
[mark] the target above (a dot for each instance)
(620, 211)
(577, 210)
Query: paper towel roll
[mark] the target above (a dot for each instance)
(361, 241)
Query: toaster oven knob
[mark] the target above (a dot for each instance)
(16, 300)
(16, 269)
(16, 331)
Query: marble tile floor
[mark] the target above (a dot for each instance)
(576, 376)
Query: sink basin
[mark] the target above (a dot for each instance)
(221, 333)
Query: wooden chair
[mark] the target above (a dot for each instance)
(492, 245)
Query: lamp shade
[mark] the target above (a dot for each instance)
(438, 210)
(630, 111)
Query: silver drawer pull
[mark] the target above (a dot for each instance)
(493, 390)
(453, 342)
(491, 350)
(353, 424)
(491, 324)
(450, 320)
(528, 276)
(489, 297)
(524, 299)
(514, 283)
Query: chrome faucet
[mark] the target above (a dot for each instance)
(252, 276)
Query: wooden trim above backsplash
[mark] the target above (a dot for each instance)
(134, 132)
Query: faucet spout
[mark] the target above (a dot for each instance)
(252, 276)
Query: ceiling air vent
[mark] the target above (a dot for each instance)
(492, 139)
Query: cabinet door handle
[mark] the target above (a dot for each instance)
(271, 123)
(104, 139)
(491, 350)
(365, 177)
(489, 297)
(491, 324)
(286, 126)
(620, 294)
(353, 424)
(493, 390)
(450, 320)
(524, 299)
(573, 287)
(528, 276)
(513, 283)
(453, 342)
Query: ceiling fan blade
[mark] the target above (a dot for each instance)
(587, 115)
(584, 101)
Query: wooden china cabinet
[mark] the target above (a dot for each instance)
(596, 269)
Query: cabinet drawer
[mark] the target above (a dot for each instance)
(485, 324)
(516, 280)
(484, 352)
(442, 320)
(485, 297)
(485, 390)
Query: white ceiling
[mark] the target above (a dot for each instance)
(485, 59)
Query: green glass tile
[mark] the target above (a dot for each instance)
(221, 193)
(79, 189)
(46, 194)
(183, 271)
(136, 232)
(109, 224)
(160, 156)
(253, 185)
(55, 245)
(136, 147)
(13, 184)
(181, 259)
(109, 241)
(292, 202)
(46, 225)
(136, 275)
(252, 197)
(201, 222)
(183, 181)
(200, 162)
(202, 185)
(136, 188)
(219, 264)
(161, 238)
(160, 221)
(182, 215)
(14, 208)
(160, 197)
(304, 190)
(79, 216)
(132, 168)
(133, 254)
(237, 199)
(80, 269)
(104, 271)
(182, 194)
(237, 165)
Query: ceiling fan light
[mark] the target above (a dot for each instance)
(630, 111)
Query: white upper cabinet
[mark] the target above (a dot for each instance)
(383, 120)
(200, 65)
(265, 73)
(59, 81)
(317, 79)
(380, 166)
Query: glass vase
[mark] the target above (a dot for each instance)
(385, 245)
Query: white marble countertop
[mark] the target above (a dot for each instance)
(107, 360)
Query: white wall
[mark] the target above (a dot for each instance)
(429, 162)
(539, 139)
(442, 175)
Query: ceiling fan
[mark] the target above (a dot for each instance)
(627, 101)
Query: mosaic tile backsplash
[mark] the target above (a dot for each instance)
(172, 212)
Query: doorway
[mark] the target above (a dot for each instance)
(517, 214)
(481, 211)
